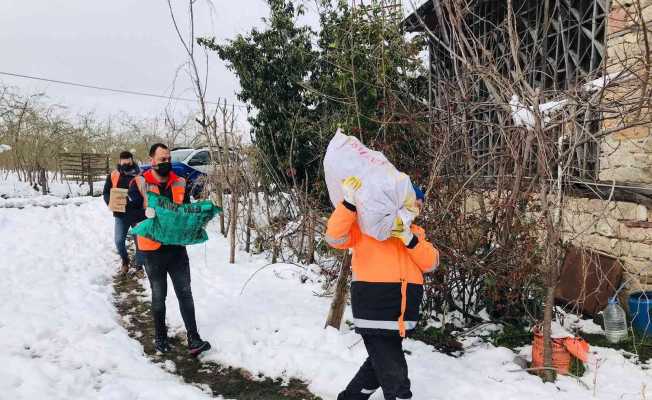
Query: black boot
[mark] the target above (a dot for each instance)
(124, 268)
(197, 346)
(161, 344)
(353, 396)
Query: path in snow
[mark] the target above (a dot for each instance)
(61, 336)
(134, 306)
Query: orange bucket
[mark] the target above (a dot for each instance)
(561, 358)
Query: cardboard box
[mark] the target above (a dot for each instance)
(118, 200)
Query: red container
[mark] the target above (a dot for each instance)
(561, 358)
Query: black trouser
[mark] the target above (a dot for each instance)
(171, 260)
(385, 367)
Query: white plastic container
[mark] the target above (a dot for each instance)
(615, 322)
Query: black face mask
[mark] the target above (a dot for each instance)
(125, 168)
(163, 168)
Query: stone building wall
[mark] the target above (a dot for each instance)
(618, 229)
(621, 229)
(626, 155)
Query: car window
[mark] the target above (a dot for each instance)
(201, 158)
(180, 155)
(219, 156)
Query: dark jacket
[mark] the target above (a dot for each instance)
(133, 212)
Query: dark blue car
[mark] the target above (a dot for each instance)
(191, 164)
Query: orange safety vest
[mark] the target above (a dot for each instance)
(115, 177)
(387, 284)
(148, 183)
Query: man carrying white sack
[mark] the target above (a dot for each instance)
(386, 292)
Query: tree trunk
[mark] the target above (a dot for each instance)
(233, 222)
(43, 180)
(90, 183)
(220, 204)
(275, 247)
(548, 373)
(336, 312)
(248, 237)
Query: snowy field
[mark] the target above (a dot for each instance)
(60, 336)
(14, 193)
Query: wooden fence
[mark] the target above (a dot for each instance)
(84, 167)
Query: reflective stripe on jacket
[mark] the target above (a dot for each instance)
(148, 183)
(387, 285)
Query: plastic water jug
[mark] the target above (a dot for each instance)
(615, 322)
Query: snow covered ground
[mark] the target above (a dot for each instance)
(60, 336)
(14, 193)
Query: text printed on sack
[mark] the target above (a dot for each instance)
(365, 153)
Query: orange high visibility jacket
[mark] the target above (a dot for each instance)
(115, 177)
(387, 284)
(148, 183)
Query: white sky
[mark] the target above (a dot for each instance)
(123, 44)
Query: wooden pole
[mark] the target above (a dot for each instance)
(302, 238)
(338, 305)
(311, 237)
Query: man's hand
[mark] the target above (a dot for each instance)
(411, 205)
(351, 185)
(399, 230)
(150, 212)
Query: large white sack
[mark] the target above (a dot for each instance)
(384, 189)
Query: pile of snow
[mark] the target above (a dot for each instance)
(60, 336)
(524, 115)
(275, 328)
(606, 80)
(558, 331)
(11, 188)
(576, 323)
(41, 201)
(4, 147)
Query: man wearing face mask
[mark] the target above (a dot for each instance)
(122, 177)
(161, 259)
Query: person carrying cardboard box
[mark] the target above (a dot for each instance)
(125, 213)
